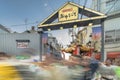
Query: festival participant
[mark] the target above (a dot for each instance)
(106, 70)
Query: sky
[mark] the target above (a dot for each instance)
(15, 13)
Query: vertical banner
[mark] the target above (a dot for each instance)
(96, 33)
(44, 38)
(96, 37)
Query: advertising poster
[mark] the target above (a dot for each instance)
(96, 37)
(96, 33)
(44, 38)
(22, 44)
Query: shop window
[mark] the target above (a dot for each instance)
(117, 39)
(118, 35)
(109, 40)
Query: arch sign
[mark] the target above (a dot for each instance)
(69, 12)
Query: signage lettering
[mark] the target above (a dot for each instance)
(69, 12)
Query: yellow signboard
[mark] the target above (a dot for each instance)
(69, 12)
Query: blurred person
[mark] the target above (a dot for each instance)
(107, 70)
(87, 71)
(48, 53)
(93, 65)
(90, 66)
(63, 54)
(117, 61)
(113, 62)
(117, 69)
(108, 62)
(117, 72)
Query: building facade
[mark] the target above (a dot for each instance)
(112, 24)
(106, 6)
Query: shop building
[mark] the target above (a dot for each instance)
(111, 25)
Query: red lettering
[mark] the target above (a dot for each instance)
(67, 10)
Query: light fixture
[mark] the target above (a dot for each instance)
(90, 24)
(49, 29)
(61, 28)
(75, 26)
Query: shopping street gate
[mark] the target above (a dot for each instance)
(69, 15)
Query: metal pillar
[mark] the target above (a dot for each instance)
(40, 31)
(102, 41)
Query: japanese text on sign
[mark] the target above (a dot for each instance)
(69, 12)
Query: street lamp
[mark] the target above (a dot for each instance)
(75, 26)
(49, 29)
(90, 24)
(61, 28)
(40, 31)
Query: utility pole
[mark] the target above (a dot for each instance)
(40, 31)
(79, 2)
(102, 41)
(26, 20)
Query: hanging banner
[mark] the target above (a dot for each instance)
(69, 12)
(44, 38)
(96, 33)
(96, 37)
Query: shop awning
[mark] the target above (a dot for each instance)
(109, 55)
(113, 54)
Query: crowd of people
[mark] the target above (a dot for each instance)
(96, 70)
(92, 69)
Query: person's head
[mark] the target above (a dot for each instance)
(108, 62)
(86, 58)
(79, 45)
(47, 44)
(85, 61)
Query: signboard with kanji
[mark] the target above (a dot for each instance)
(68, 12)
